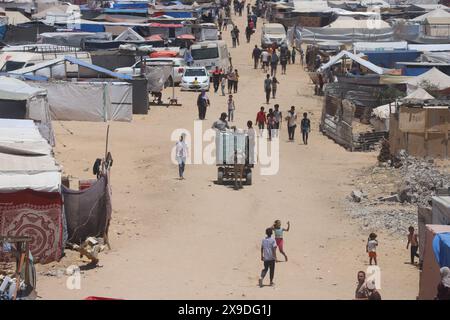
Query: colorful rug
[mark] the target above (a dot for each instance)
(37, 215)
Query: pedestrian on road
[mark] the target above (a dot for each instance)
(278, 230)
(202, 104)
(274, 63)
(231, 79)
(361, 292)
(233, 37)
(268, 256)
(265, 59)
(236, 81)
(181, 151)
(256, 55)
(222, 82)
(305, 126)
(293, 54)
(217, 76)
(236, 31)
(371, 248)
(291, 123)
(248, 33)
(270, 123)
(248, 8)
(255, 19)
(275, 84)
(267, 87)
(220, 21)
(261, 120)
(412, 239)
(231, 108)
(251, 142)
(222, 123)
(288, 56)
(278, 119)
(283, 62)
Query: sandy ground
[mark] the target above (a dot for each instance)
(194, 239)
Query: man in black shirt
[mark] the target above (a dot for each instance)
(256, 55)
(306, 127)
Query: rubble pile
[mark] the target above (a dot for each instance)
(421, 180)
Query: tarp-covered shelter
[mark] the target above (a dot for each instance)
(18, 100)
(15, 18)
(434, 77)
(348, 30)
(130, 35)
(345, 54)
(430, 275)
(30, 198)
(438, 13)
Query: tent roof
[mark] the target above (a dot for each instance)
(346, 54)
(26, 161)
(434, 13)
(438, 20)
(434, 76)
(14, 89)
(55, 9)
(419, 94)
(352, 23)
(129, 35)
(15, 17)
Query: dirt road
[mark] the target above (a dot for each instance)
(193, 239)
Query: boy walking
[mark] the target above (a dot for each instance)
(306, 127)
(231, 108)
(414, 242)
(371, 248)
(268, 256)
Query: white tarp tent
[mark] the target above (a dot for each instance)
(26, 160)
(35, 100)
(438, 13)
(89, 101)
(433, 77)
(345, 54)
(349, 30)
(380, 46)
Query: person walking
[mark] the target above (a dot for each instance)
(288, 56)
(279, 230)
(270, 123)
(293, 54)
(223, 79)
(268, 256)
(265, 59)
(233, 37)
(231, 107)
(248, 8)
(248, 33)
(305, 126)
(236, 81)
(291, 123)
(256, 55)
(217, 76)
(222, 123)
(283, 62)
(261, 120)
(275, 84)
(202, 104)
(236, 31)
(274, 59)
(220, 21)
(267, 87)
(412, 239)
(181, 151)
(371, 248)
(278, 119)
(231, 78)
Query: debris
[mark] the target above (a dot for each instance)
(358, 195)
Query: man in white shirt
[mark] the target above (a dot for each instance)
(265, 60)
(268, 256)
(291, 120)
(181, 152)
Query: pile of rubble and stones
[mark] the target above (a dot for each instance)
(413, 183)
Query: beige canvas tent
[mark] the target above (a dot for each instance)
(433, 77)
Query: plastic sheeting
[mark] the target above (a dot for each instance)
(441, 210)
(434, 77)
(89, 101)
(346, 54)
(441, 248)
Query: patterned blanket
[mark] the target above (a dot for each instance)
(37, 215)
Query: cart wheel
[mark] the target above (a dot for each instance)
(248, 178)
(220, 176)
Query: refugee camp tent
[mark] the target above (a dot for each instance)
(30, 181)
(438, 13)
(130, 35)
(348, 30)
(380, 46)
(430, 276)
(18, 100)
(15, 18)
(345, 54)
(433, 77)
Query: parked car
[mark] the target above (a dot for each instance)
(195, 78)
(273, 33)
(177, 72)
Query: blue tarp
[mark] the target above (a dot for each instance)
(414, 71)
(130, 5)
(441, 248)
(2, 31)
(85, 27)
(388, 59)
(98, 69)
(125, 11)
(178, 14)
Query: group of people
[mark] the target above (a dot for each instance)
(223, 79)
(270, 58)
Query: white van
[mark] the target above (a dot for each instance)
(210, 54)
(273, 33)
